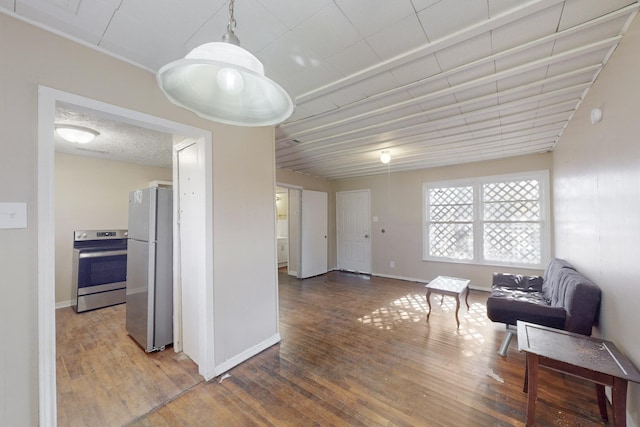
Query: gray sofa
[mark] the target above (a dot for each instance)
(562, 298)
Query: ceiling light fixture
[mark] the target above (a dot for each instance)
(223, 82)
(385, 157)
(78, 134)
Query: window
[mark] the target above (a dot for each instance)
(498, 220)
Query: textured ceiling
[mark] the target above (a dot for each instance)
(434, 82)
(116, 140)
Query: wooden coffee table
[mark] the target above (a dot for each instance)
(592, 359)
(451, 286)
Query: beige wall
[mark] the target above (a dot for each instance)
(33, 57)
(245, 260)
(396, 199)
(597, 199)
(91, 194)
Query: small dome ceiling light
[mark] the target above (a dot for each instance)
(78, 134)
(221, 81)
(385, 157)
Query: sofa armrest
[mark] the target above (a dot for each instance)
(517, 281)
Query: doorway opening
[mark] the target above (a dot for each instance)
(48, 99)
(288, 228)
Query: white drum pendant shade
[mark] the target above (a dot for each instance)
(225, 83)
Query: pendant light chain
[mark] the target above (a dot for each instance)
(231, 26)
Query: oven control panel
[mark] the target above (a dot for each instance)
(83, 235)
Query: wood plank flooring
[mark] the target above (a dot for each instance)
(104, 378)
(355, 351)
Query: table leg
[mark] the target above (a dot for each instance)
(532, 383)
(602, 402)
(466, 299)
(457, 308)
(429, 304)
(619, 402)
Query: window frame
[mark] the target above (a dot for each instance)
(477, 183)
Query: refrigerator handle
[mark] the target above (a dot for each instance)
(151, 302)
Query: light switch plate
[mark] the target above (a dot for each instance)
(13, 215)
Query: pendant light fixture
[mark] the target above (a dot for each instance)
(385, 157)
(223, 82)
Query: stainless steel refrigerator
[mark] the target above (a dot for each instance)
(150, 268)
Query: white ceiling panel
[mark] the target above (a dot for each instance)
(327, 32)
(578, 11)
(256, 26)
(606, 30)
(177, 21)
(416, 70)
(435, 82)
(130, 37)
(444, 18)
(379, 14)
(85, 22)
(465, 52)
(354, 58)
(293, 17)
(527, 29)
(525, 56)
(398, 38)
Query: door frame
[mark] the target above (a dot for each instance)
(368, 192)
(47, 99)
(290, 187)
(205, 293)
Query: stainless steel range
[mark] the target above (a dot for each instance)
(99, 268)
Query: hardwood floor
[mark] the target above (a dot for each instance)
(355, 351)
(104, 378)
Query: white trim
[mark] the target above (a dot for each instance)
(65, 304)
(247, 354)
(476, 183)
(46, 261)
(486, 288)
(47, 99)
(290, 272)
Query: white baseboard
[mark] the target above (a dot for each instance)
(247, 354)
(65, 304)
(422, 281)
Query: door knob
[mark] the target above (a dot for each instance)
(366, 236)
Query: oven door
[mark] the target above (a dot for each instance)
(100, 275)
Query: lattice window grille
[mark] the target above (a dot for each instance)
(495, 220)
(512, 215)
(451, 222)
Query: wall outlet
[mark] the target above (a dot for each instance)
(392, 264)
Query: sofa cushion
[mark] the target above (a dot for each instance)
(551, 277)
(517, 281)
(508, 305)
(581, 300)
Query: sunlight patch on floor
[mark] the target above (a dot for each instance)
(407, 309)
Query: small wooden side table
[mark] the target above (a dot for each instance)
(451, 286)
(592, 359)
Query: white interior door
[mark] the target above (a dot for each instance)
(191, 241)
(314, 233)
(353, 230)
(294, 232)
